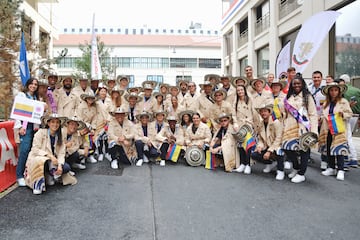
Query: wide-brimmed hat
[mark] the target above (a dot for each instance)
(133, 94)
(81, 124)
(132, 89)
(171, 87)
(111, 79)
(52, 74)
(120, 109)
(342, 88)
(222, 91)
(183, 81)
(223, 115)
(164, 85)
(282, 83)
(188, 112)
(156, 94)
(102, 85)
(83, 76)
(206, 83)
(268, 106)
(68, 77)
(149, 84)
(117, 89)
(160, 112)
(171, 118)
(142, 114)
(45, 119)
(207, 77)
(226, 76)
(89, 94)
(122, 77)
(43, 82)
(235, 79)
(262, 80)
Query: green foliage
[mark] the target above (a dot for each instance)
(348, 61)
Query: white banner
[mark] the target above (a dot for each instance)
(283, 60)
(95, 62)
(25, 109)
(310, 37)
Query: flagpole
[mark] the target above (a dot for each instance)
(96, 72)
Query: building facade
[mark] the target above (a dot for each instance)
(163, 55)
(254, 31)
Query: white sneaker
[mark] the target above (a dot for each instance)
(329, 172)
(240, 169)
(101, 157)
(139, 162)
(247, 169)
(78, 166)
(49, 180)
(114, 164)
(146, 159)
(108, 156)
(21, 182)
(323, 165)
(280, 175)
(298, 178)
(269, 167)
(37, 191)
(292, 174)
(91, 159)
(287, 165)
(162, 163)
(340, 175)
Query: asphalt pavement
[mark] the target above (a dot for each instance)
(182, 202)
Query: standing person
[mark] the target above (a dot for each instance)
(205, 102)
(229, 89)
(270, 78)
(291, 73)
(159, 105)
(267, 149)
(332, 138)
(244, 110)
(65, 98)
(148, 101)
(121, 139)
(43, 97)
(174, 109)
(329, 79)
(132, 104)
(214, 80)
(174, 91)
(46, 161)
(249, 75)
(352, 94)
(191, 97)
(116, 98)
(142, 140)
(26, 131)
(82, 88)
(300, 118)
(240, 81)
(183, 85)
(315, 90)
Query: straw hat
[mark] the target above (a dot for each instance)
(68, 77)
(81, 124)
(181, 81)
(267, 106)
(222, 91)
(102, 85)
(240, 78)
(160, 112)
(119, 110)
(262, 80)
(223, 115)
(226, 77)
(206, 83)
(282, 83)
(174, 87)
(342, 88)
(45, 119)
(149, 84)
(142, 114)
(90, 94)
(171, 118)
(189, 112)
(122, 77)
(128, 96)
(117, 89)
(43, 82)
(207, 77)
(156, 94)
(133, 89)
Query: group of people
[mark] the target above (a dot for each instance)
(237, 120)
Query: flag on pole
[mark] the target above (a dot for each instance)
(310, 37)
(23, 65)
(95, 62)
(209, 160)
(283, 60)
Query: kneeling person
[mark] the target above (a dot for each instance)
(269, 142)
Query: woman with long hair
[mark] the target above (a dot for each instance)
(46, 161)
(26, 130)
(332, 139)
(300, 118)
(185, 118)
(198, 133)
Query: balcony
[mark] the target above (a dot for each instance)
(243, 38)
(262, 24)
(287, 7)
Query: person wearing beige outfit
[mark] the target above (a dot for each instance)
(198, 133)
(191, 97)
(65, 98)
(229, 89)
(142, 140)
(205, 102)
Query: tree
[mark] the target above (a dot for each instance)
(349, 61)
(83, 64)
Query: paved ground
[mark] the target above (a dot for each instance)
(181, 202)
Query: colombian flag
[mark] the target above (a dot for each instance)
(23, 110)
(209, 160)
(276, 114)
(173, 152)
(248, 142)
(89, 139)
(336, 123)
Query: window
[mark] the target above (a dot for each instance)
(263, 65)
(243, 64)
(80, 30)
(183, 63)
(183, 77)
(179, 31)
(209, 63)
(157, 78)
(111, 30)
(134, 31)
(118, 30)
(67, 62)
(65, 29)
(73, 30)
(104, 30)
(88, 30)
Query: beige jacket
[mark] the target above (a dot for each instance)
(188, 101)
(152, 132)
(271, 137)
(204, 105)
(165, 133)
(66, 105)
(200, 137)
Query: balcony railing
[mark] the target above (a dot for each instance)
(243, 38)
(262, 24)
(287, 7)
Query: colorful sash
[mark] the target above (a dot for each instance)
(295, 113)
(248, 142)
(336, 123)
(209, 160)
(276, 114)
(52, 102)
(173, 152)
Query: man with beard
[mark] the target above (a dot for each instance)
(65, 98)
(82, 88)
(183, 85)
